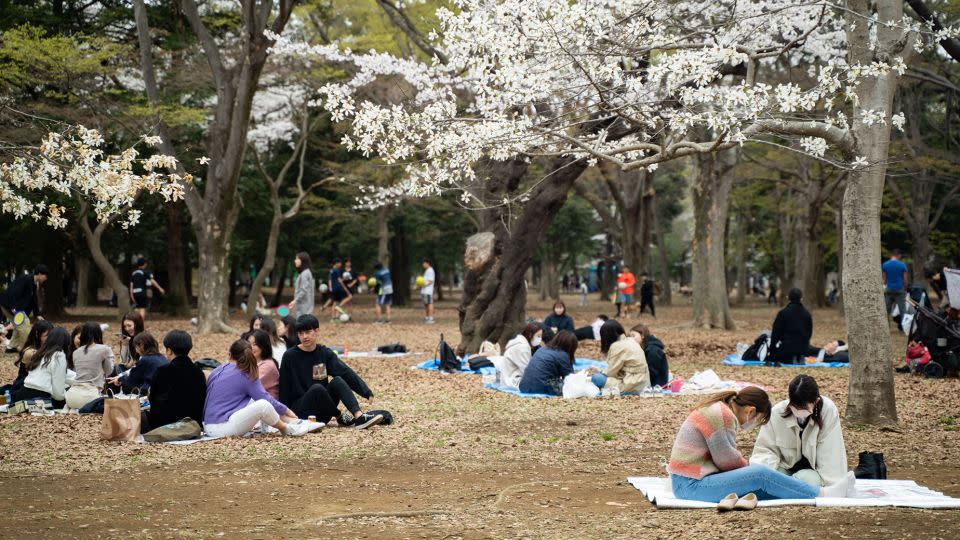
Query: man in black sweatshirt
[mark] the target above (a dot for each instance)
(792, 329)
(21, 295)
(314, 381)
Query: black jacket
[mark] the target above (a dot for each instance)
(178, 391)
(656, 361)
(791, 333)
(21, 295)
(296, 373)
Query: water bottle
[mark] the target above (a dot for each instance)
(6, 397)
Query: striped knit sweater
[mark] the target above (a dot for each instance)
(706, 443)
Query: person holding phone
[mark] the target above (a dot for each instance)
(130, 326)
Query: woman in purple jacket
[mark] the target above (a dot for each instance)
(229, 411)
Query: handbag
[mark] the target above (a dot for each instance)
(121, 418)
(181, 430)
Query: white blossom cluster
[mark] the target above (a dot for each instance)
(636, 82)
(75, 163)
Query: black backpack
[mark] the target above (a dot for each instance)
(757, 351)
(392, 348)
(446, 358)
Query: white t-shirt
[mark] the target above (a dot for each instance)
(429, 277)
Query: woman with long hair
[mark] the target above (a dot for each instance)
(130, 325)
(705, 464)
(803, 437)
(146, 353)
(268, 368)
(305, 288)
(287, 330)
(549, 365)
(517, 354)
(626, 365)
(93, 362)
(47, 370)
(276, 344)
(236, 400)
(36, 337)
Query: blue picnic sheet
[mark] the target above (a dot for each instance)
(734, 360)
(434, 365)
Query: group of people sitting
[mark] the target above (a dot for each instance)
(799, 452)
(635, 360)
(790, 337)
(269, 379)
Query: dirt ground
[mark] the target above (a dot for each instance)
(461, 461)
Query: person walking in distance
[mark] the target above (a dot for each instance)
(384, 286)
(141, 281)
(894, 285)
(303, 294)
(647, 291)
(426, 290)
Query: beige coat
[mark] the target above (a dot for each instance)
(780, 445)
(627, 366)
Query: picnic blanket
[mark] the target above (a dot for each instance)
(902, 493)
(734, 360)
(434, 365)
(375, 354)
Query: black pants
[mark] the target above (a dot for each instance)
(323, 402)
(24, 393)
(584, 333)
(644, 302)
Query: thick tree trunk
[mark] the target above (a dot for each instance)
(270, 259)
(840, 251)
(711, 304)
(52, 294)
(82, 262)
(871, 396)
(176, 301)
(494, 298)
(281, 283)
(92, 238)
(213, 245)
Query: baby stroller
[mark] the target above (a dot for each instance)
(941, 336)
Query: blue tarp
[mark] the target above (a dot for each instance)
(734, 360)
(434, 365)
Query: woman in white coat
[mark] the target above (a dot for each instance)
(517, 354)
(803, 437)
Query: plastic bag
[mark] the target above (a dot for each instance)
(577, 385)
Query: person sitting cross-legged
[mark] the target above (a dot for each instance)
(314, 381)
(179, 387)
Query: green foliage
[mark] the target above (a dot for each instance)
(569, 237)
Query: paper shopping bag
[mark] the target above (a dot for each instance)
(121, 419)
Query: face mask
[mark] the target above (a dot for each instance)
(749, 424)
(801, 414)
(536, 341)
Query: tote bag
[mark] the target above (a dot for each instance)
(121, 418)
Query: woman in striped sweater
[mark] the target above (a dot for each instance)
(705, 464)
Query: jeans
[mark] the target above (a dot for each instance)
(896, 297)
(244, 420)
(598, 379)
(765, 482)
(321, 401)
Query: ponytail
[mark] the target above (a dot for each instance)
(242, 353)
(750, 396)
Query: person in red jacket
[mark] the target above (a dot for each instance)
(625, 283)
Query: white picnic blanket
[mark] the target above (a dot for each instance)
(902, 493)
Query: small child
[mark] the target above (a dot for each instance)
(917, 356)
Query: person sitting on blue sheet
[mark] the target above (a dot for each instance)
(627, 371)
(790, 338)
(549, 365)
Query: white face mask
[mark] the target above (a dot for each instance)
(800, 414)
(749, 424)
(537, 340)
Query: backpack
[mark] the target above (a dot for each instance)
(447, 359)
(478, 362)
(181, 430)
(392, 348)
(757, 351)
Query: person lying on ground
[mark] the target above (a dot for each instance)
(147, 358)
(803, 438)
(792, 329)
(236, 400)
(179, 387)
(517, 353)
(93, 363)
(47, 371)
(627, 371)
(268, 369)
(705, 464)
(549, 365)
(314, 382)
(556, 321)
(35, 339)
(657, 364)
(592, 331)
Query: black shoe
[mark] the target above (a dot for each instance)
(366, 420)
(881, 466)
(903, 369)
(11, 350)
(867, 469)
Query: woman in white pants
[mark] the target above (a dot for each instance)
(236, 400)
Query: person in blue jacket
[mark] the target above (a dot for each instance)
(549, 365)
(557, 321)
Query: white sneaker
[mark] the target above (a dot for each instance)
(296, 430)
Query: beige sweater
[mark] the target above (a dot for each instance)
(93, 364)
(627, 366)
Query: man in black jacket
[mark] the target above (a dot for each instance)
(21, 295)
(179, 388)
(792, 329)
(314, 381)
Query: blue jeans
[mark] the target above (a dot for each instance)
(765, 482)
(599, 379)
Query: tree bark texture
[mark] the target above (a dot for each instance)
(93, 237)
(82, 262)
(711, 192)
(176, 301)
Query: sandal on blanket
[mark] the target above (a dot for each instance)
(727, 503)
(747, 502)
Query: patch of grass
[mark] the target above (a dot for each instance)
(607, 436)
(948, 420)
